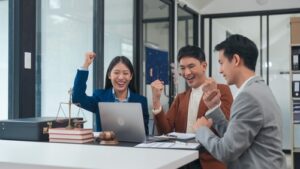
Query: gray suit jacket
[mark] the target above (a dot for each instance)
(252, 137)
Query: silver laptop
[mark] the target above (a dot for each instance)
(125, 119)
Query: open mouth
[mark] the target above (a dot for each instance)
(121, 84)
(190, 78)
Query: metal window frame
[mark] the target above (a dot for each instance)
(22, 39)
(241, 14)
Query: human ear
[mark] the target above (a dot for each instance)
(237, 59)
(204, 64)
(109, 76)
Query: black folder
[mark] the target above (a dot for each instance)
(30, 129)
(295, 58)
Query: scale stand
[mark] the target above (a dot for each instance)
(77, 123)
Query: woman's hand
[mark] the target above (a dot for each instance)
(89, 58)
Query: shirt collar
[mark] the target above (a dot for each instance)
(117, 99)
(243, 86)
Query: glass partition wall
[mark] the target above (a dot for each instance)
(223, 27)
(185, 27)
(4, 59)
(64, 34)
(159, 40)
(279, 67)
(118, 30)
(156, 26)
(187, 34)
(166, 28)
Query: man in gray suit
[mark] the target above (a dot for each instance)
(251, 139)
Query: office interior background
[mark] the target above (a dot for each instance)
(43, 43)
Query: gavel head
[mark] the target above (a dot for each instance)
(107, 135)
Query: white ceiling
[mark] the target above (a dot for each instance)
(230, 6)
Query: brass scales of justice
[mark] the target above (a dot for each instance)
(106, 137)
(77, 122)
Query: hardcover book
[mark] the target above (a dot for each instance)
(57, 140)
(71, 136)
(70, 131)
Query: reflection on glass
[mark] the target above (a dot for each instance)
(4, 59)
(261, 63)
(66, 34)
(156, 36)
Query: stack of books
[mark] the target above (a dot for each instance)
(76, 135)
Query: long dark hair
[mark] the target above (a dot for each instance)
(113, 63)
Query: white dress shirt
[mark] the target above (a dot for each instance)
(194, 102)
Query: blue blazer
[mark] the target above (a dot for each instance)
(90, 103)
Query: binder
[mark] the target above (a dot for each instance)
(296, 88)
(295, 60)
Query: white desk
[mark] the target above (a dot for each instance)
(34, 155)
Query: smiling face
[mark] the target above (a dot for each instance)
(120, 77)
(193, 71)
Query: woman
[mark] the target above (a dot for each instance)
(119, 87)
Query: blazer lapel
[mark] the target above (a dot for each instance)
(108, 97)
(202, 108)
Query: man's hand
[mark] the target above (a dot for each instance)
(89, 58)
(211, 94)
(157, 87)
(202, 122)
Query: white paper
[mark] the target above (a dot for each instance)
(170, 145)
(182, 136)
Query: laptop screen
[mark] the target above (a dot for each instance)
(125, 119)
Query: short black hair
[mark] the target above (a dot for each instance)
(241, 45)
(113, 63)
(191, 51)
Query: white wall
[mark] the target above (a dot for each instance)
(4, 59)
